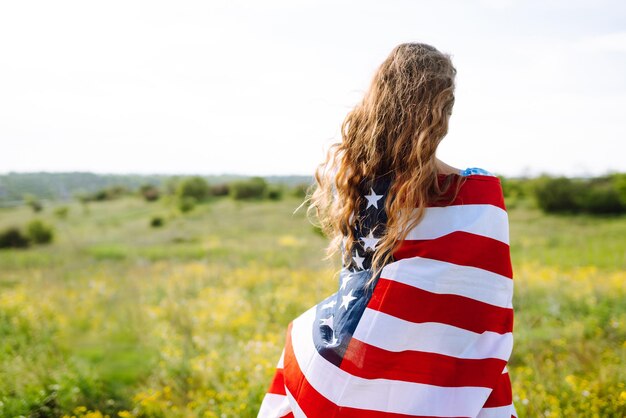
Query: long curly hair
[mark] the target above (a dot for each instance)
(396, 128)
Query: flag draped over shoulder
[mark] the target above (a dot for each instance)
(433, 337)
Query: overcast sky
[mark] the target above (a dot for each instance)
(261, 87)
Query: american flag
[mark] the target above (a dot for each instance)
(432, 339)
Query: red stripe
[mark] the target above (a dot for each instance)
(278, 383)
(462, 248)
(418, 305)
(371, 362)
(477, 189)
(313, 403)
(502, 395)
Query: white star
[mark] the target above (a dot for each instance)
(329, 304)
(347, 299)
(358, 259)
(372, 199)
(345, 281)
(328, 322)
(333, 341)
(370, 241)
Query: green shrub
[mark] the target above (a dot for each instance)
(156, 222)
(515, 188)
(186, 204)
(253, 188)
(195, 187)
(34, 203)
(220, 189)
(619, 182)
(61, 212)
(109, 193)
(275, 192)
(558, 195)
(38, 232)
(600, 195)
(12, 237)
(300, 190)
(101, 195)
(149, 192)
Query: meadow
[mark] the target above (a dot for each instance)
(116, 318)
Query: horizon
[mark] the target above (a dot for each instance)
(227, 174)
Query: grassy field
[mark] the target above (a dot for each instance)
(117, 318)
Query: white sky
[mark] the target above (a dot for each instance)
(261, 87)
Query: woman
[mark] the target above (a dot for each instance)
(422, 320)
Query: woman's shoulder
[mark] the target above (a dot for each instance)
(480, 186)
(472, 171)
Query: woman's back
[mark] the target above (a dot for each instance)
(433, 335)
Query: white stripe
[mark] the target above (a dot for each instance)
(480, 219)
(295, 408)
(394, 334)
(449, 278)
(497, 412)
(274, 406)
(386, 395)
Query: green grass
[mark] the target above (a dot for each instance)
(189, 319)
(567, 240)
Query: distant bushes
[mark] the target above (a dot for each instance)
(188, 192)
(108, 193)
(257, 188)
(558, 195)
(157, 222)
(253, 188)
(36, 232)
(182, 192)
(61, 212)
(619, 180)
(12, 237)
(600, 195)
(515, 188)
(300, 190)
(193, 187)
(186, 204)
(149, 192)
(220, 189)
(275, 192)
(34, 203)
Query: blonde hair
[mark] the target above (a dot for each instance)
(396, 128)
